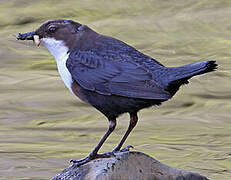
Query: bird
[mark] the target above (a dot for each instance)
(110, 75)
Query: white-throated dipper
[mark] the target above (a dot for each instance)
(109, 74)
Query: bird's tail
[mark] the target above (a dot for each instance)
(180, 75)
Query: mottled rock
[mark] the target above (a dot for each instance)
(126, 166)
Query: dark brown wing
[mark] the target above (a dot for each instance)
(96, 71)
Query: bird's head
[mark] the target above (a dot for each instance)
(56, 33)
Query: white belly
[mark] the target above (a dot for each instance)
(60, 52)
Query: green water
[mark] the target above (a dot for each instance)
(43, 126)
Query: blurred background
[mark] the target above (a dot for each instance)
(43, 126)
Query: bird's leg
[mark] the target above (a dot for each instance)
(93, 154)
(132, 124)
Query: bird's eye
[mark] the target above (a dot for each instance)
(52, 29)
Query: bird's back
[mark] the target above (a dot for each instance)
(169, 78)
(118, 58)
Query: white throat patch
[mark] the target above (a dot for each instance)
(60, 51)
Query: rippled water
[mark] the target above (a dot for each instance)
(43, 126)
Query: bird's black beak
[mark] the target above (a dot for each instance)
(29, 36)
(26, 36)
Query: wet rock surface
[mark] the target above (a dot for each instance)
(126, 166)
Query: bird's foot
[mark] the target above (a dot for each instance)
(127, 148)
(90, 157)
(81, 161)
(104, 155)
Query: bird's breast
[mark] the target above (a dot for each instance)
(60, 52)
(64, 72)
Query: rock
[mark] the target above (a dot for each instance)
(126, 166)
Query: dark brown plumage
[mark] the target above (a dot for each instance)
(110, 75)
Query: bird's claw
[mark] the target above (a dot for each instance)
(89, 158)
(81, 161)
(76, 161)
(104, 155)
(127, 148)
